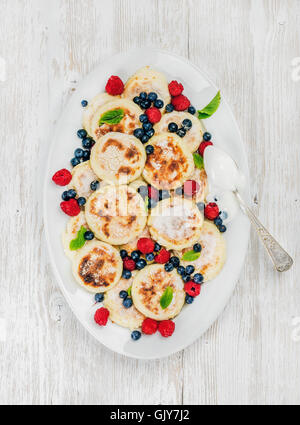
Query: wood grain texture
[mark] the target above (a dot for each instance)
(251, 355)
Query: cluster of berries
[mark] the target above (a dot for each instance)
(81, 155)
(145, 101)
(186, 125)
(145, 132)
(70, 205)
(179, 102)
(154, 195)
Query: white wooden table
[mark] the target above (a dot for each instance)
(250, 49)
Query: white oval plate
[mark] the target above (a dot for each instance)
(194, 319)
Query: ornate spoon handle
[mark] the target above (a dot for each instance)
(281, 259)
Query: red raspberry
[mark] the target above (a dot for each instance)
(149, 326)
(114, 85)
(145, 245)
(180, 102)
(211, 211)
(163, 257)
(101, 316)
(166, 328)
(128, 264)
(175, 88)
(70, 207)
(62, 177)
(192, 288)
(153, 193)
(153, 114)
(191, 187)
(202, 147)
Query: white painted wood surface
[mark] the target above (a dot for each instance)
(251, 355)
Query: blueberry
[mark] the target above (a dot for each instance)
(135, 255)
(200, 206)
(152, 96)
(181, 132)
(179, 191)
(197, 247)
(158, 103)
(169, 267)
(145, 104)
(163, 194)
(81, 133)
(81, 201)
(75, 161)
(143, 191)
(84, 103)
(186, 278)
(151, 203)
(189, 299)
(150, 256)
(218, 221)
(141, 264)
(156, 247)
(169, 108)
(136, 100)
(223, 215)
(145, 139)
(175, 261)
(189, 269)
(207, 136)
(135, 335)
(87, 143)
(88, 236)
(99, 297)
(65, 196)
(123, 253)
(150, 133)
(187, 124)
(71, 193)
(172, 127)
(198, 278)
(127, 303)
(181, 270)
(222, 228)
(123, 294)
(149, 149)
(126, 274)
(191, 110)
(143, 118)
(147, 126)
(94, 185)
(138, 133)
(86, 155)
(143, 95)
(78, 153)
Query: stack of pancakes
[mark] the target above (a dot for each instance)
(116, 212)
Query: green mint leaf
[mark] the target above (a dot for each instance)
(166, 297)
(112, 117)
(211, 108)
(129, 291)
(198, 160)
(79, 241)
(191, 256)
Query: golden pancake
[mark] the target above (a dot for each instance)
(73, 226)
(116, 214)
(82, 177)
(97, 266)
(118, 158)
(170, 164)
(93, 105)
(175, 223)
(148, 287)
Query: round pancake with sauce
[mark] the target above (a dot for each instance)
(93, 105)
(118, 158)
(128, 123)
(127, 317)
(82, 177)
(116, 214)
(73, 226)
(193, 137)
(148, 287)
(213, 253)
(132, 246)
(97, 266)
(175, 223)
(170, 164)
(147, 80)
